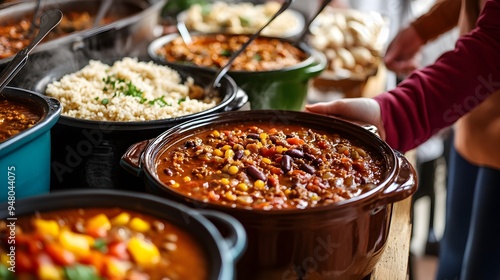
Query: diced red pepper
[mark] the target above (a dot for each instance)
(118, 250)
(60, 255)
(295, 141)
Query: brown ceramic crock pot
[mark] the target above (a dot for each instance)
(343, 240)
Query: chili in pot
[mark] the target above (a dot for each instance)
(266, 166)
(100, 243)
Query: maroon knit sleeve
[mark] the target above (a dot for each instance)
(436, 96)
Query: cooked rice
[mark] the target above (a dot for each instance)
(82, 93)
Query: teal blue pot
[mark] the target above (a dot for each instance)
(25, 157)
(282, 89)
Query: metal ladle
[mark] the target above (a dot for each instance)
(210, 89)
(48, 21)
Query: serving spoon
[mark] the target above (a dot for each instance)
(48, 21)
(211, 87)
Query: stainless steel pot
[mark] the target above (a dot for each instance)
(128, 36)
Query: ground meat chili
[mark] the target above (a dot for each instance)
(15, 35)
(15, 117)
(214, 51)
(261, 166)
(98, 244)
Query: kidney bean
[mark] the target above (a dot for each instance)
(253, 136)
(190, 144)
(317, 161)
(295, 153)
(256, 173)
(238, 154)
(309, 156)
(286, 163)
(307, 168)
(168, 172)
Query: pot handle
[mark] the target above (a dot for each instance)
(318, 67)
(239, 101)
(233, 232)
(404, 185)
(131, 160)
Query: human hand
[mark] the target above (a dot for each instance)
(365, 110)
(402, 55)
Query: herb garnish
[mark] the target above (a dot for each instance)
(121, 86)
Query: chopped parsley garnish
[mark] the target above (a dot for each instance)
(120, 86)
(225, 53)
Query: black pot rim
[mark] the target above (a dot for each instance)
(368, 199)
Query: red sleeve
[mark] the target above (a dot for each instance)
(436, 96)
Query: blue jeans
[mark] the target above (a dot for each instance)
(470, 246)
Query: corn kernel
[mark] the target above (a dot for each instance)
(233, 170)
(139, 225)
(247, 152)
(259, 144)
(242, 187)
(175, 185)
(218, 153)
(281, 149)
(226, 147)
(288, 191)
(186, 179)
(216, 133)
(229, 154)
(224, 181)
(266, 160)
(263, 136)
(225, 168)
(230, 196)
(259, 184)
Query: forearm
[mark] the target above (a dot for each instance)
(436, 96)
(442, 17)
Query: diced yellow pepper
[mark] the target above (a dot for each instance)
(99, 221)
(116, 269)
(139, 225)
(79, 244)
(121, 220)
(144, 253)
(49, 227)
(49, 272)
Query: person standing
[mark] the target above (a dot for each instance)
(462, 86)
